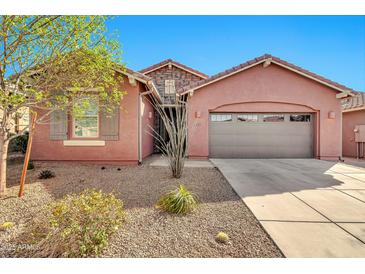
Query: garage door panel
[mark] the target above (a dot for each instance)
(284, 139)
(223, 128)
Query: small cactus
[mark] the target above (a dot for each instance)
(222, 237)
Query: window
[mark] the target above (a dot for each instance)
(300, 118)
(273, 118)
(169, 86)
(221, 117)
(247, 118)
(86, 124)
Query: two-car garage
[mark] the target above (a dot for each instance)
(265, 108)
(261, 135)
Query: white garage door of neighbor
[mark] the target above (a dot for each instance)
(261, 135)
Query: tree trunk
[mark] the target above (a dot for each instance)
(3, 158)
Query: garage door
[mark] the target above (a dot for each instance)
(261, 135)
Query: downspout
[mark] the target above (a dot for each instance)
(140, 156)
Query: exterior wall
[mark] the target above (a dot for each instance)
(182, 78)
(350, 120)
(148, 119)
(270, 89)
(124, 150)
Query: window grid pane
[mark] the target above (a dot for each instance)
(300, 118)
(273, 118)
(87, 123)
(221, 117)
(247, 118)
(169, 86)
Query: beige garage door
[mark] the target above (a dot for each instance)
(261, 135)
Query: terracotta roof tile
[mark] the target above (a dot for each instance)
(257, 60)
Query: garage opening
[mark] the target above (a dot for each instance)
(261, 135)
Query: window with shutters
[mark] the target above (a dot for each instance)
(86, 124)
(170, 87)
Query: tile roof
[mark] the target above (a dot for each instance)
(167, 61)
(257, 61)
(354, 102)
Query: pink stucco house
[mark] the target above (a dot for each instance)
(264, 108)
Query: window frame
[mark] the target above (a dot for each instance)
(97, 120)
(168, 87)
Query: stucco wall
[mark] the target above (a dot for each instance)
(124, 150)
(270, 89)
(350, 120)
(148, 117)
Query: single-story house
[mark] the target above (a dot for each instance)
(353, 115)
(264, 108)
(120, 138)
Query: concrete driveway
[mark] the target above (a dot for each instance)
(310, 208)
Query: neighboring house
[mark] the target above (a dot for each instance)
(265, 108)
(20, 121)
(353, 113)
(121, 138)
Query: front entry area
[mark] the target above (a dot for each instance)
(261, 135)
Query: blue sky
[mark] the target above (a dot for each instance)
(332, 46)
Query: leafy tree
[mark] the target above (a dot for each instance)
(43, 55)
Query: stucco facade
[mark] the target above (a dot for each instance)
(125, 150)
(267, 89)
(350, 120)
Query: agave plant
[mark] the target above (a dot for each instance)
(46, 174)
(178, 201)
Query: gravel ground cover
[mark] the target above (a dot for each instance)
(147, 232)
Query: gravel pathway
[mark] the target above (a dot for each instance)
(147, 232)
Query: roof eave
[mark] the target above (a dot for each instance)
(170, 62)
(148, 82)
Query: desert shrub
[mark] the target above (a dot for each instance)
(6, 225)
(222, 237)
(19, 143)
(46, 174)
(178, 201)
(79, 225)
(30, 165)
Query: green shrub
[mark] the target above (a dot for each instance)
(178, 201)
(6, 225)
(19, 143)
(30, 165)
(79, 225)
(222, 237)
(46, 174)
